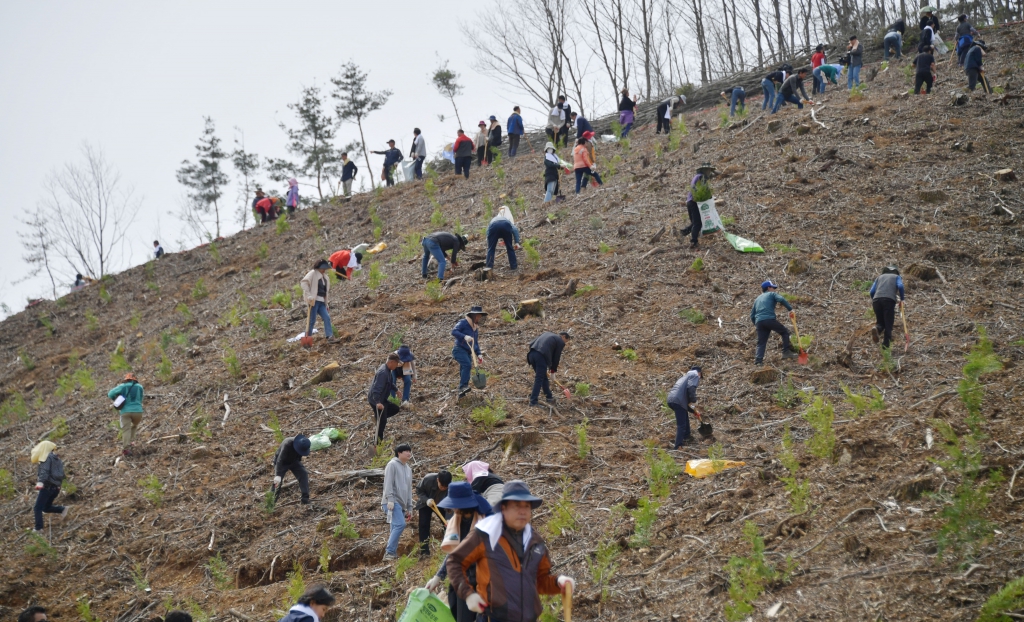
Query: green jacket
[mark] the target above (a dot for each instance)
(132, 396)
(764, 307)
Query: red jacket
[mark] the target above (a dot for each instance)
(817, 60)
(340, 261)
(459, 141)
(264, 204)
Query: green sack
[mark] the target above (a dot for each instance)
(424, 606)
(319, 441)
(331, 433)
(743, 245)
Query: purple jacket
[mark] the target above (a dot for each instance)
(293, 194)
(693, 184)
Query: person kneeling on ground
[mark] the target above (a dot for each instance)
(512, 564)
(762, 316)
(49, 477)
(883, 293)
(433, 486)
(681, 399)
(503, 227)
(289, 458)
(789, 90)
(543, 356)
(397, 500)
(311, 607)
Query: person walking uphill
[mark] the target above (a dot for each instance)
(925, 70)
(515, 130)
(49, 477)
(291, 201)
(468, 508)
(381, 388)
(503, 227)
(884, 293)
(289, 458)
(972, 65)
(493, 139)
(127, 398)
(582, 164)
(543, 356)
(418, 152)
(433, 486)
(315, 289)
(397, 499)
(513, 568)
(392, 156)
(681, 399)
(436, 245)
(312, 606)
(467, 345)
(762, 316)
(463, 153)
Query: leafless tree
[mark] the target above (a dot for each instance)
(39, 247)
(88, 212)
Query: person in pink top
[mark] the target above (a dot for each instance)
(582, 164)
(292, 200)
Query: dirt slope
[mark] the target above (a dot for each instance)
(890, 179)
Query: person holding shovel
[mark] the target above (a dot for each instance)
(512, 564)
(381, 389)
(397, 499)
(543, 356)
(49, 477)
(433, 487)
(693, 212)
(973, 63)
(762, 316)
(127, 398)
(681, 399)
(289, 458)
(345, 262)
(884, 293)
(467, 345)
(315, 288)
(407, 372)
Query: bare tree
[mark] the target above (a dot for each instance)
(607, 29)
(355, 102)
(88, 212)
(39, 247)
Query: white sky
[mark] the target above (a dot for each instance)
(136, 78)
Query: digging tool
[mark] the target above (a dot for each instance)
(567, 602)
(984, 81)
(307, 341)
(378, 413)
(704, 429)
(802, 359)
(433, 506)
(565, 391)
(906, 332)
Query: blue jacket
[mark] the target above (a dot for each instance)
(391, 157)
(684, 391)
(299, 613)
(498, 221)
(582, 125)
(515, 125)
(463, 329)
(764, 307)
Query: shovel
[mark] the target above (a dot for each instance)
(433, 506)
(802, 359)
(565, 391)
(307, 341)
(567, 602)
(704, 429)
(906, 332)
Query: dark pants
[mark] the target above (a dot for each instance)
(390, 410)
(695, 222)
(418, 168)
(682, 424)
(406, 383)
(816, 83)
(464, 358)
(425, 515)
(662, 121)
(764, 330)
(923, 78)
(300, 474)
(972, 78)
(513, 144)
(44, 504)
(460, 611)
(388, 177)
(481, 153)
(563, 136)
(581, 173)
(885, 318)
(540, 377)
(462, 165)
(782, 99)
(501, 230)
(492, 151)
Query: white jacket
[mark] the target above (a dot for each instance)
(309, 284)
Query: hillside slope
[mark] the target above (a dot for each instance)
(889, 179)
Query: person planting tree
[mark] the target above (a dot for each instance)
(884, 293)
(381, 388)
(502, 227)
(437, 245)
(433, 487)
(345, 262)
(681, 399)
(788, 92)
(543, 356)
(762, 316)
(467, 345)
(289, 458)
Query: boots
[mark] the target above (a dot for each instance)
(789, 354)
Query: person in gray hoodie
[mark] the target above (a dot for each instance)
(397, 500)
(680, 399)
(418, 152)
(884, 292)
(762, 316)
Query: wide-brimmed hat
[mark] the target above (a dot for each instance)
(131, 377)
(405, 354)
(493, 118)
(550, 145)
(482, 123)
(476, 310)
(517, 490)
(323, 264)
(301, 445)
(461, 497)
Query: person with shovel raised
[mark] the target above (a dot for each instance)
(543, 356)
(512, 564)
(315, 288)
(884, 292)
(467, 345)
(381, 389)
(681, 399)
(762, 316)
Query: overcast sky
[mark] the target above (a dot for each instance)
(135, 79)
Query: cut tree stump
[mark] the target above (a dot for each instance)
(529, 307)
(570, 288)
(326, 374)
(1006, 174)
(764, 376)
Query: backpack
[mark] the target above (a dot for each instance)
(964, 43)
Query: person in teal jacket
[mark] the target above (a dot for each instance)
(131, 409)
(762, 316)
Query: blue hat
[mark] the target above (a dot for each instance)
(405, 354)
(494, 118)
(767, 284)
(461, 497)
(516, 490)
(301, 445)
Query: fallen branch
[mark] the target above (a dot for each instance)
(1009, 491)
(227, 411)
(928, 399)
(815, 119)
(240, 616)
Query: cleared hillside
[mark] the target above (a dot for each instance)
(890, 178)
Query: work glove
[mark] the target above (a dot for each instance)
(562, 580)
(475, 603)
(792, 314)
(469, 340)
(479, 360)
(391, 506)
(434, 583)
(277, 481)
(39, 485)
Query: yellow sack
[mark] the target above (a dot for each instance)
(377, 248)
(704, 467)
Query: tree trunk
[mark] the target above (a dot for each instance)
(216, 218)
(779, 34)
(366, 153)
(457, 118)
(757, 21)
(736, 33)
(728, 38)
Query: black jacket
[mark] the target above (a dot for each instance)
(494, 137)
(428, 489)
(626, 104)
(349, 171)
(932, 21)
(483, 482)
(775, 76)
(382, 386)
(447, 242)
(899, 26)
(550, 346)
(51, 471)
(286, 454)
(550, 171)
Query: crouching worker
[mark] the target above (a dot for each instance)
(884, 293)
(289, 458)
(512, 564)
(502, 227)
(681, 399)
(762, 316)
(433, 486)
(312, 606)
(345, 262)
(470, 508)
(49, 477)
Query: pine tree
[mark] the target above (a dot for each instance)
(312, 142)
(247, 165)
(447, 84)
(205, 178)
(355, 103)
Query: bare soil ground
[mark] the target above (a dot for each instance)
(889, 178)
